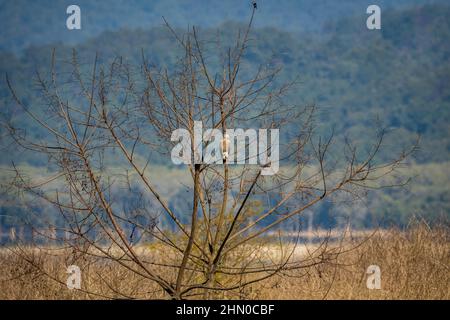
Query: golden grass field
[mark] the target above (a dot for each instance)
(414, 265)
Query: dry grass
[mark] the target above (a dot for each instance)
(414, 265)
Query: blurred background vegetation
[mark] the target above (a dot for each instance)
(398, 76)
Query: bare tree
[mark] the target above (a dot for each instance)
(129, 114)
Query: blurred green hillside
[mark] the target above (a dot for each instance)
(24, 23)
(399, 75)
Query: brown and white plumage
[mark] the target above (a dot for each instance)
(225, 146)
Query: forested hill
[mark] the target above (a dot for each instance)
(24, 23)
(399, 75)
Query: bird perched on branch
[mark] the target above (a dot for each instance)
(225, 147)
(255, 5)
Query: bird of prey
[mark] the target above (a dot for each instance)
(255, 5)
(225, 146)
